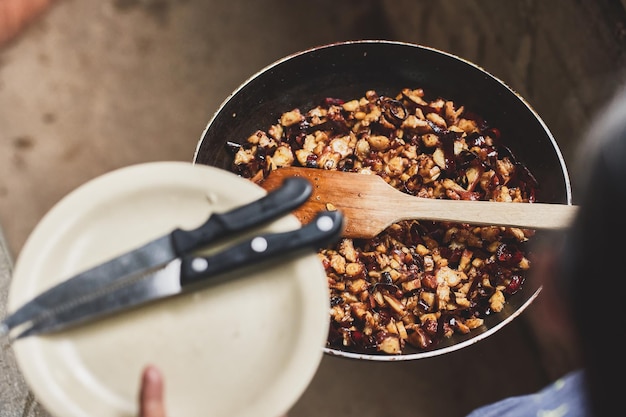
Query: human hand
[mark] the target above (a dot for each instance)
(15, 15)
(151, 395)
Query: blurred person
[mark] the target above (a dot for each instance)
(16, 15)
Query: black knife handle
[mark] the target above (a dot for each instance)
(292, 193)
(323, 230)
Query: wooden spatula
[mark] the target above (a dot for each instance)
(370, 205)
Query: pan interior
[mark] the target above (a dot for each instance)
(347, 70)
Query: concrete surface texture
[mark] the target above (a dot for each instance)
(97, 85)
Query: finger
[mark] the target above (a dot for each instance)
(16, 14)
(151, 398)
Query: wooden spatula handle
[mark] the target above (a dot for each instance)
(370, 204)
(524, 215)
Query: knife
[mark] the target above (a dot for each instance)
(293, 192)
(188, 272)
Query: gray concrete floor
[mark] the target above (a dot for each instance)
(97, 85)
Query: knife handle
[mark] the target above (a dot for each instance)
(323, 230)
(292, 193)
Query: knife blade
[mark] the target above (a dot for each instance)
(190, 272)
(160, 251)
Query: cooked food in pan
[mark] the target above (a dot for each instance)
(417, 282)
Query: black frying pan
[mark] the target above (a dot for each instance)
(347, 70)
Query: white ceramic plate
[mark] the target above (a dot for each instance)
(248, 347)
